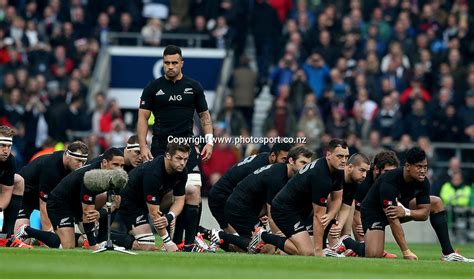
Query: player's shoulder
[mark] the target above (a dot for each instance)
(191, 82)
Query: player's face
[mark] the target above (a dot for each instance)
(172, 65)
(338, 157)
(359, 172)
(134, 158)
(281, 157)
(116, 163)
(418, 170)
(178, 160)
(5, 150)
(385, 169)
(74, 164)
(300, 162)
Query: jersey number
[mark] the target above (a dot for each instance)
(246, 160)
(262, 169)
(308, 166)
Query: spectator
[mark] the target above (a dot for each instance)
(232, 119)
(317, 72)
(455, 192)
(312, 126)
(282, 119)
(243, 84)
(152, 32)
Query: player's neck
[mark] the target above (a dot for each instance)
(289, 170)
(406, 176)
(168, 168)
(175, 79)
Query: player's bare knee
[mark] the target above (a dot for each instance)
(193, 195)
(436, 204)
(306, 252)
(19, 185)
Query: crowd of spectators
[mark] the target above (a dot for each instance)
(379, 72)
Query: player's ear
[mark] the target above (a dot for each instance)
(103, 164)
(168, 156)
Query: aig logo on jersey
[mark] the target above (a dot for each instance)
(175, 98)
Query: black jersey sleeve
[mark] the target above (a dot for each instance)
(388, 194)
(361, 192)
(179, 188)
(200, 99)
(423, 196)
(87, 196)
(348, 193)
(320, 189)
(146, 100)
(8, 176)
(47, 182)
(151, 189)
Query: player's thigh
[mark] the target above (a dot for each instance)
(374, 243)
(303, 243)
(145, 240)
(67, 237)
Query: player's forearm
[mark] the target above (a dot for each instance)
(398, 234)
(334, 206)
(177, 206)
(5, 196)
(318, 232)
(142, 130)
(206, 122)
(344, 213)
(44, 218)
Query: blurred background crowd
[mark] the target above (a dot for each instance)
(379, 73)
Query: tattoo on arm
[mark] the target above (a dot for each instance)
(205, 118)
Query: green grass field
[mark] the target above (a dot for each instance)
(79, 263)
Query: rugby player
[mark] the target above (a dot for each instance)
(398, 196)
(71, 202)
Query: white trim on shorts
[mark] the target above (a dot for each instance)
(194, 179)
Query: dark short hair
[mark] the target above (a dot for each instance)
(277, 147)
(78, 146)
(357, 159)
(112, 152)
(415, 155)
(386, 157)
(296, 151)
(171, 50)
(172, 148)
(132, 139)
(7, 131)
(334, 143)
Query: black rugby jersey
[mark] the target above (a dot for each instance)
(260, 187)
(390, 187)
(312, 184)
(173, 105)
(239, 171)
(44, 173)
(149, 182)
(7, 171)
(71, 192)
(364, 188)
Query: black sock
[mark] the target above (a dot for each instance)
(102, 234)
(10, 214)
(440, 225)
(50, 239)
(198, 219)
(275, 240)
(355, 246)
(190, 217)
(76, 238)
(205, 232)
(239, 241)
(122, 239)
(179, 228)
(326, 232)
